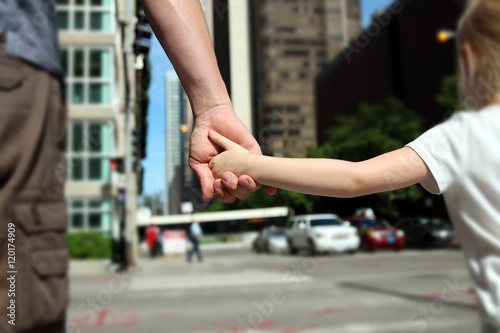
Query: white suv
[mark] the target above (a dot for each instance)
(321, 233)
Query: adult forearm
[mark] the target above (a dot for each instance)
(181, 29)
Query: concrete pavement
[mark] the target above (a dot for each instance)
(238, 291)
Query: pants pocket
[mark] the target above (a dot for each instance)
(12, 71)
(50, 284)
(42, 263)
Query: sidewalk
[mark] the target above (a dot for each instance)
(90, 267)
(103, 267)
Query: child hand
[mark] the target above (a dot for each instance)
(233, 159)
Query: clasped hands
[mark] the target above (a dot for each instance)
(232, 161)
(206, 144)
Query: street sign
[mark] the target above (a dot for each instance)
(174, 242)
(187, 207)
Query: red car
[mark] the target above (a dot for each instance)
(377, 233)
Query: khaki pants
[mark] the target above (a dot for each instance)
(33, 217)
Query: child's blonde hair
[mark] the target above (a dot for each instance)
(480, 28)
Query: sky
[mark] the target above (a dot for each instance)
(154, 163)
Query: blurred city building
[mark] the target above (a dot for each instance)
(180, 182)
(100, 88)
(178, 127)
(399, 55)
(269, 52)
(292, 42)
(232, 44)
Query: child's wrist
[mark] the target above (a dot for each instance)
(250, 164)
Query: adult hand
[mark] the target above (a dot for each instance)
(223, 120)
(234, 158)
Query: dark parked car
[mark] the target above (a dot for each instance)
(271, 240)
(427, 232)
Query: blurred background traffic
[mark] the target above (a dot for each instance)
(346, 79)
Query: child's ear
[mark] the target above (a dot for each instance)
(469, 59)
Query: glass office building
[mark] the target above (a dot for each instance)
(92, 57)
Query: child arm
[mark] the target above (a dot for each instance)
(326, 177)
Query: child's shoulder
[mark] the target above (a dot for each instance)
(483, 124)
(489, 114)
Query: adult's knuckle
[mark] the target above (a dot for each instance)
(228, 200)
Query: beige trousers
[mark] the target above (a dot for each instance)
(33, 217)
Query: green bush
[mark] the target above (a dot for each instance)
(89, 245)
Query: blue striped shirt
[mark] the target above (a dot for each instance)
(30, 28)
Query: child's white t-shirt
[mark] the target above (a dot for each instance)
(463, 155)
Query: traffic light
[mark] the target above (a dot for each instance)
(137, 149)
(116, 164)
(136, 143)
(143, 33)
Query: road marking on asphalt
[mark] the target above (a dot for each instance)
(372, 275)
(392, 327)
(331, 311)
(211, 280)
(222, 291)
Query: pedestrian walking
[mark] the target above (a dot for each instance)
(195, 234)
(152, 239)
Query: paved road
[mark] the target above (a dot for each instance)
(411, 291)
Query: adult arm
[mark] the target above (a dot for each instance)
(327, 177)
(181, 29)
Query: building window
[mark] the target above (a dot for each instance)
(90, 214)
(89, 147)
(88, 75)
(85, 15)
(296, 53)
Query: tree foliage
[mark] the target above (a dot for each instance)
(154, 201)
(142, 97)
(89, 245)
(144, 104)
(374, 130)
(449, 99)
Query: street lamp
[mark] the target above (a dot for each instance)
(444, 36)
(184, 161)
